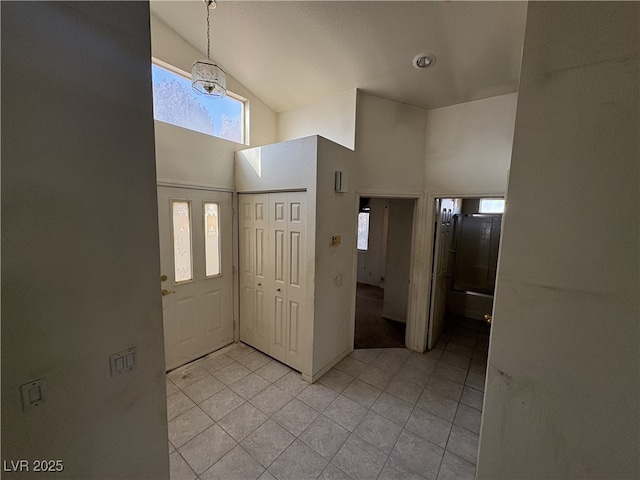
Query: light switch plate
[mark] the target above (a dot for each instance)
(122, 361)
(33, 393)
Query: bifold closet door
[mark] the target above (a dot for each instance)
(254, 324)
(273, 279)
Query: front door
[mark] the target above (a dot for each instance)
(197, 272)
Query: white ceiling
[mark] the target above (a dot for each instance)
(292, 53)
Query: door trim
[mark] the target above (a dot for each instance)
(430, 226)
(416, 304)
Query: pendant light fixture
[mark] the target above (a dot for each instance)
(207, 77)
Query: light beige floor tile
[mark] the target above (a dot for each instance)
(455, 374)
(187, 425)
(472, 397)
(187, 375)
(468, 417)
(392, 408)
(429, 426)
(272, 370)
(292, 383)
(177, 404)
(238, 464)
(267, 442)
(254, 360)
(362, 392)
(394, 470)
(179, 469)
(359, 459)
(325, 436)
(221, 404)
(171, 387)
(435, 403)
(249, 386)
(317, 396)
(295, 416)
(336, 380)
(418, 454)
(331, 472)
(215, 362)
(203, 389)
(445, 387)
(206, 448)
(404, 389)
(350, 366)
(231, 373)
(345, 412)
(463, 443)
(378, 431)
(376, 377)
(270, 400)
(242, 421)
(365, 355)
(298, 462)
(455, 468)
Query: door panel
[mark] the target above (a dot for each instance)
(261, 280)
(296, 277)
(447, 208)
(246, 267)
(197, 312)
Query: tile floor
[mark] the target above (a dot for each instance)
(379, 414)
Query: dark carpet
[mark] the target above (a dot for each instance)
(372, 330)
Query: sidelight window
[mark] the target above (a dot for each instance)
(212, 238)
(182, 250)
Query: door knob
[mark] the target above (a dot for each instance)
(166, 292)
(278, 290)
(163, 278)
(488, 318)
(259, 284)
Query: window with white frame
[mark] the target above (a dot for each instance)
(176, 102)
(363, 229)
(491, 205)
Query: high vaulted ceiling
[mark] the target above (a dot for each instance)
(293, 53)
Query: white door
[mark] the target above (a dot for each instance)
(197, 273)
(272, 273)
(254, 310)
(446, 209)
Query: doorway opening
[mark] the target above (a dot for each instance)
(385, 232)
(465, 260)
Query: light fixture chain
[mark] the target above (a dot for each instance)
(208, 36)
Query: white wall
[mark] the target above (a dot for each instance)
(398, 259)
(333, 118)
(562, 389)
(468, 146)
(80, 256)
(390, 146)
(335, 265)
(185, 157)
(371, 262)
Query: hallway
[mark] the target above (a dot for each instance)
(380, 413)
(372, 330)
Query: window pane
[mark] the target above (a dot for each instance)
(176, 102)
(363, 231)
(181, 240)
(491, 205)
(212, 238)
